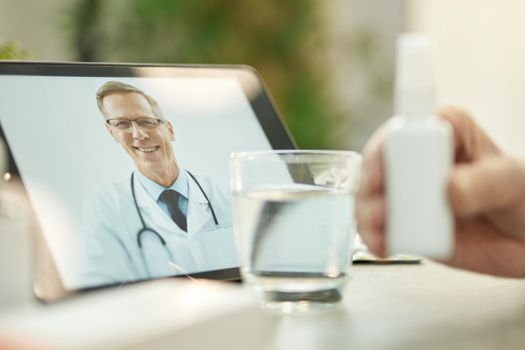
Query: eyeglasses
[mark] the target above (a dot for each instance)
(125, 124)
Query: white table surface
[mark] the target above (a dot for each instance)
(426, 306)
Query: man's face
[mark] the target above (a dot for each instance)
(150, 149)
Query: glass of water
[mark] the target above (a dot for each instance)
(294, 224)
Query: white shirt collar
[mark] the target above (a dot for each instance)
(155, 190)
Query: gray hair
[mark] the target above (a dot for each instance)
(111, 87)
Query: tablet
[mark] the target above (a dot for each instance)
(126, 166)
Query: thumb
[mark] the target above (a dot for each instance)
(490, 184)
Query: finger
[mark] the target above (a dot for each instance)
(479, 248)
(488, 185)
(470, 141)
(375, 243)
(370, 215)
(460, 122)
(372, 177)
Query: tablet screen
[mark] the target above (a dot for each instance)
(128, 174)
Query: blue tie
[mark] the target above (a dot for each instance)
(171, 198)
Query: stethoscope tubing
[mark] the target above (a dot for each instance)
(145, 228)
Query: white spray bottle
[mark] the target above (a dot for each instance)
(418, 159)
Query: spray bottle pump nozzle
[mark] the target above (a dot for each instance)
(414, 87)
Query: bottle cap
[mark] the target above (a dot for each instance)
(414, 86)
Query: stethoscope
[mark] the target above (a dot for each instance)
(145, 228)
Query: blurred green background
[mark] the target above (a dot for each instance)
(328, 70)
(281, 39)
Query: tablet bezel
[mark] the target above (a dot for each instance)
(47, 284)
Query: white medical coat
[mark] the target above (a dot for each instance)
(111, 224)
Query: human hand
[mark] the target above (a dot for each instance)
(486, 192)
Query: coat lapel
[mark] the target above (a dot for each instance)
(199, 213)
